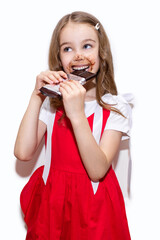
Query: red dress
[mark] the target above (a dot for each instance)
(66, 208)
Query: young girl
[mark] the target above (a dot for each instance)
(76, 194)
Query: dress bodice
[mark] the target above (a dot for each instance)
(65, 153)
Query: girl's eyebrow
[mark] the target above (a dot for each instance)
(89, 40)
(65, 43)
(85, 40)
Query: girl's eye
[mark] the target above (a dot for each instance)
(87, 46)
(67, 49)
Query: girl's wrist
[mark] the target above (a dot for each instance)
(37, 97)
(78, 120)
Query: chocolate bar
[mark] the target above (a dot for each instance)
(78, 75)
(81, 76)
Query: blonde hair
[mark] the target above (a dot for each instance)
(105, 78)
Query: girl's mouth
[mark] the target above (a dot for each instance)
(86, 64)
(80, 67)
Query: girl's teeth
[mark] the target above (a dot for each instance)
(79, 68)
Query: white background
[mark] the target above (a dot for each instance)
(133, 30)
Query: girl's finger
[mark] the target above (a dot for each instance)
(63, 74)
(60, 75)
(52, 76)
(66, 86)
(46, 79)
(73, 84)
(77, 84)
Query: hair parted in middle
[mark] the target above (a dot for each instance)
(105, 78)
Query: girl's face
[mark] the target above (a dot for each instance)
(79, 47)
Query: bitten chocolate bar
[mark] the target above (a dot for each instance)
(77, 75)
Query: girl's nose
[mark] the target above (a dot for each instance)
(78, 56)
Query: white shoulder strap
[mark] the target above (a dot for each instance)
(48, 147)
(97, 129)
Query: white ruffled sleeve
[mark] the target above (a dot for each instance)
(116, 121)
(44, 111)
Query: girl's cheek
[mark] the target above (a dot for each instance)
(65, 64)
(91, 61)
(68, 69)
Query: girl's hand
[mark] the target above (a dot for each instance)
(49, 77)
(73, 94)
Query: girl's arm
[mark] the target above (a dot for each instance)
(32, 130)
(96, 158)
